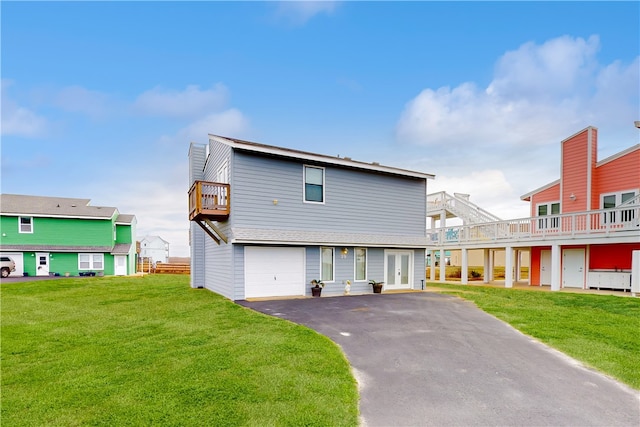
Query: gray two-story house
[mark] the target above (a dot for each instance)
(266, 220)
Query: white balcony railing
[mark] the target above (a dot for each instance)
(623, 219)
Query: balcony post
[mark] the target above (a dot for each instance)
(487, 266)
(442, 266)
(508, 267)
(464, 274)
(556, 263)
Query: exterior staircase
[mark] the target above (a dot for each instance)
(457, 206)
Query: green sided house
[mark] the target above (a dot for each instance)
(62, 236)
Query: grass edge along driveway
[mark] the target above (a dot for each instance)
(601, 331)
(152, 351)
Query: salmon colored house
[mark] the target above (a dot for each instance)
(584, 227)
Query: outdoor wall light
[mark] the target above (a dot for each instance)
(344, 251)
(275, 202)
(573, 197)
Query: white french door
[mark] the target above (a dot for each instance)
(398, 267)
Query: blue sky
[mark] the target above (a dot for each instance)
(101, 100)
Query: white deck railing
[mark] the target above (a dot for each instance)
(623, 219)
(462, 208)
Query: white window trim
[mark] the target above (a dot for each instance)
(355, 264)
(91, 265)
(333, 264)
(304, 183)
(548, 221)
(613, 217)
(20, 225)
(618, 195)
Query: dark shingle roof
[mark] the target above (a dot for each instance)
(121, 249)
(16, 204)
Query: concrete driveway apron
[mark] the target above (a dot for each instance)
(426, 359)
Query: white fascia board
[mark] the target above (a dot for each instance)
(527, 196)
(303, 155)
(618, 155)
(323, 243)
(103, 218)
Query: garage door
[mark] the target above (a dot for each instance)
(273, 272)
(17, 258)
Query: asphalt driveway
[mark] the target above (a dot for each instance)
(426, 359)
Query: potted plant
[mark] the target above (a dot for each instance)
(316, 289)
(377, 286)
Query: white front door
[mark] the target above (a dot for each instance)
(398, 267)
(573, 268)
(121, 265)
(273, 271)
(42, 264)
(545, 267)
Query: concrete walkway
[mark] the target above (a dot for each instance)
(427, 359)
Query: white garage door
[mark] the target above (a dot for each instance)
(273, 272)
(17, 258)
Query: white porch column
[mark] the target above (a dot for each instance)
(508, 267)
(517, 265)
(464, 274)
(491, 258)
(442, 266)
(432, 265)
(487, 266)
(555, 267)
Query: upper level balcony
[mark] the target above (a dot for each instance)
(621, 223)
(209, 200)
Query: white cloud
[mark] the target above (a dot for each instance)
(230, 123)
(539, 95)
(503, 141)
(191, 102)
(300, 12)
(18, 120)
(488, 188)
(77, 99)
(158, 199)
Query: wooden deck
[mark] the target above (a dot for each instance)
(209, 200)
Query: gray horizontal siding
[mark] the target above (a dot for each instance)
(355, 201)
(197, 158)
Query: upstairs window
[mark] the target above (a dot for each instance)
(548, 209)
(611, 201)
(313, 184)
(25, 224)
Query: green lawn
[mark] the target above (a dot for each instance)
(151, 351)
(602, 331)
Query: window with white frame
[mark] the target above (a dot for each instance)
(25, 224)
(313, 184)
(612, 200)
(90, 261)
(327, 263)
(361, 263)
(548, 209)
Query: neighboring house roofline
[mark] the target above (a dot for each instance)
(304, 155)
(125, 219)
(55, 207)
(527, 197)
(55, 248)
(578, 133)
(618, 155)
(121, 249)
(150, 238)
